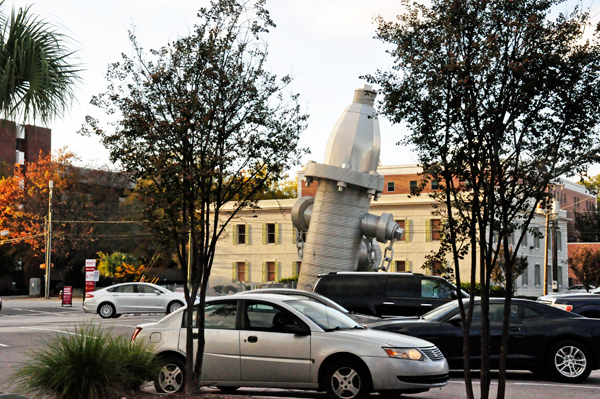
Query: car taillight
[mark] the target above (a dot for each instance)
(137, 332)
(568, 308)
(89, 295)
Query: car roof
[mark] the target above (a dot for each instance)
(278, 298)
(378, 274)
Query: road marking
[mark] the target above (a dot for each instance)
(6, 346)
(49, 329)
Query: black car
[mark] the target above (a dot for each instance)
(542, 338)
(583, 304)
(386, 294)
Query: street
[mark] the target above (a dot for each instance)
(27, 323)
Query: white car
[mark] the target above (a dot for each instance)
(123, 298)
(270, 340)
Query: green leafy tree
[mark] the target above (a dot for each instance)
(592, 183)
(202, 124)
(37, 74)
(500, 101)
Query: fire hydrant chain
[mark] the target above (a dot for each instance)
(299, 244)
(387, 259)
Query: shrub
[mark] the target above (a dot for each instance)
(495, 290)
(293, 279)
(89, 363)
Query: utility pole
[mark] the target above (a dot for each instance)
(546, 252)
(49, 241)
(190, 262)
(555, 210)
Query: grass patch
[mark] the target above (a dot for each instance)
(88, 363)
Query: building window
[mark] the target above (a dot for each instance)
(558, 240)
(436, 268)
(413, 185)
(400, 265)
(537, 276)
(240, 271)
(435, 185)
(525, 277)
(270, 271)
(536, 237)
(402, 225)
(525, 234)
(391, 186)
(271, 233)
(296, 266)
(436, 229)
(241, 234)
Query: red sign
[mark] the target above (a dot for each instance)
(90, 267)
(67, 296)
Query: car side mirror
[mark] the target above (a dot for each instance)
(455, 320)
(157, 292)
(453, 295)
(296, 329)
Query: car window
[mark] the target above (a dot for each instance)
(496, 312)
(400, 286)
(220, 315)
(530, 313)
(434, 288)
(125, 288)
(266, 317)
(112, 289)
(146, 289)
(345, 285)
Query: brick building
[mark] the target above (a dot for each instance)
(20, 143)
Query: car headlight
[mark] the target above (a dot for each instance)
(405, 353)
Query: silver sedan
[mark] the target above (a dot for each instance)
(123, 298)
(260, 340)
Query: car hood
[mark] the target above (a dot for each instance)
(386, 338)
(396, 320)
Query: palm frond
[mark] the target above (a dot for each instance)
(37, 76)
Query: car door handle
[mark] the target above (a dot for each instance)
(515, 329)
(389, 303)
(252, 339)
(426, 304)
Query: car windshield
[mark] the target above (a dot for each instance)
(441, 311)
(325, 317)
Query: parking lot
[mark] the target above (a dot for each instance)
(25, 324)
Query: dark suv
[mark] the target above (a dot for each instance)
(386, 294)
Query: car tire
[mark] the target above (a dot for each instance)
(228, 389)
(106, 310)
(116, 316)
(173, 306)
(569, 361)
(171, 377)
(347, 379)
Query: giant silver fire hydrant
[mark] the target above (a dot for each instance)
(340, 233)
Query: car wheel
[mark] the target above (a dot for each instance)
(228, 389)
(347, 379)
(171, 378)
(173, 306)
(570, 362)
(106, 310)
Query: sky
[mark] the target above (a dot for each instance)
(326, 45)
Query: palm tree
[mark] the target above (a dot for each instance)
(36, 75)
